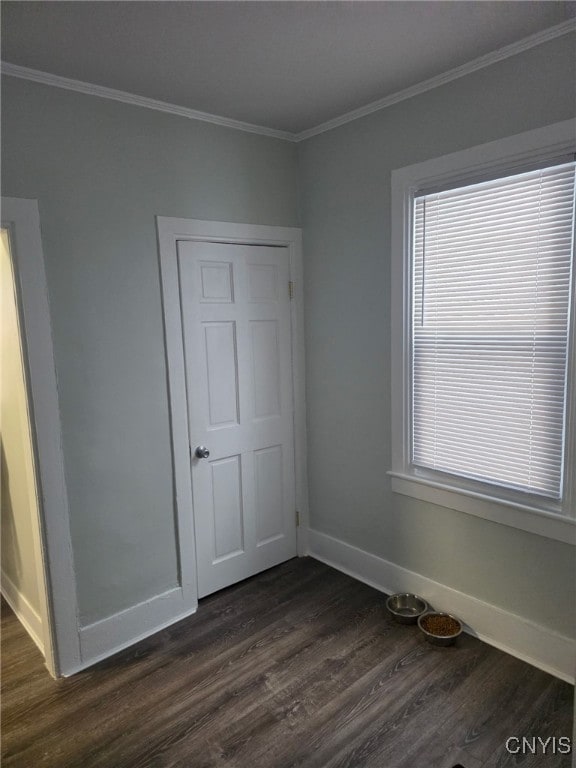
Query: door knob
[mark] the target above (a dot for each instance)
(201, 452)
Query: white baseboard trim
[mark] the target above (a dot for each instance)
(104, 638)
(26, 614)
(530, 642)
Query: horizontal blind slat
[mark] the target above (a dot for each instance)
(491, 295)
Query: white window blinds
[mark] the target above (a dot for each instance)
(490, 315)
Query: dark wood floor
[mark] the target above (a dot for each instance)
(299, 666)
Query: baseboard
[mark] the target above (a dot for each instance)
(533, 643)
(27, 615)
(104, 638)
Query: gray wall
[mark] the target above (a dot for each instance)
(345, 182)
(101, 172)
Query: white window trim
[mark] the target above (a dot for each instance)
(508, 154)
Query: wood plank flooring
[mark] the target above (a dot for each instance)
(299, 666)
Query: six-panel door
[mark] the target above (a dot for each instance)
(237, 343)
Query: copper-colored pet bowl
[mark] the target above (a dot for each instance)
(440, 628)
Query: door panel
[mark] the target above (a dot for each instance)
(266, 368)
(268, 474)
(227, 512)
(262, 282)
(217, 281)
(237, 343)
(221, 373)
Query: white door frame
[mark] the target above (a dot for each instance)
(58, 592)
(170, 230)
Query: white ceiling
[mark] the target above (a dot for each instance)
(283, 65)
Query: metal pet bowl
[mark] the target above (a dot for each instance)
(440, 628)
(406, 608)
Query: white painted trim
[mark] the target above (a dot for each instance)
(108, 636)
(90, 89)
(511, 152)
(526, 640)
(299, 389)
(446, 77)
(46, 78)
(60, 623)
(25, 612)
(512, 509)
(480, 505)
(170, 230)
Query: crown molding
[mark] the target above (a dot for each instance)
(90, 89)
(446, 77)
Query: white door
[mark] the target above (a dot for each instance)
(237, 344)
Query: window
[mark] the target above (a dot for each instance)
(491, 288)
(486, 265)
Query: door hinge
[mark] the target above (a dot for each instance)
(290, 289)
(297, 519)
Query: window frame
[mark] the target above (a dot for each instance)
(513, 508)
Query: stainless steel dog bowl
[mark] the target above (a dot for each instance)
(440, 628)
(406, 607)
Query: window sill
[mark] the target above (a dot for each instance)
(496, 510)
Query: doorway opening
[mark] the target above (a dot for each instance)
(26, 291)
(23, 584)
